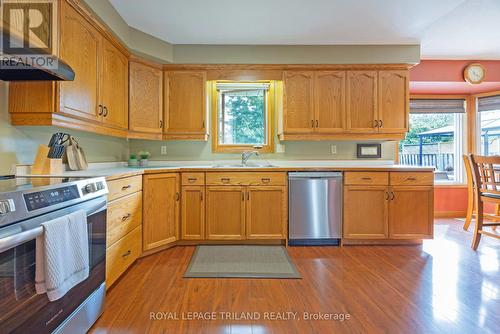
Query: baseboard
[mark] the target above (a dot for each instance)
(450, 214)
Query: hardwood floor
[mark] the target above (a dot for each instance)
(440, 286)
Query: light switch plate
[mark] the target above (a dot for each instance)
(333, 149)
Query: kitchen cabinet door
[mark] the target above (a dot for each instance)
(80, 48)
(185, 102)
(361, 101)
(266, 212)
(114, 86)
(193, 213)
(161, 210)
(365, 212)
(146, 98)
(393, 101)
(225, 213)
(329, 101)
(411, 214)
(298, 102)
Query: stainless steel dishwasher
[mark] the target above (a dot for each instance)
(315, 208)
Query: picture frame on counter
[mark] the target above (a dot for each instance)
(369, 151)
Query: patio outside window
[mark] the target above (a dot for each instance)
(488, 125)
(436, 138)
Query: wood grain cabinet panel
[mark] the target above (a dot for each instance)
(365, 212)
(124, 186)
(411, 213)
(266, 212)
(329, 101)
(361, 101)
(80, 48)
(185, 102)
(225, 213)
(123, 216)
(193, 213)
(298, 101)
(122, 254)
(114, 86)
(393, 101)
(146, 98)
(161, 210)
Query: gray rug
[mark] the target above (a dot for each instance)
(241, 262)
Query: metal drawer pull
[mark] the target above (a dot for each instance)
(411, 178)
(127, 216)
(392, 196)
(386, 196)
(312, 123)
(248, 196)
(242, 196)
(127, 253)
(225, 179)
(266, 180)
(177, 197)
(376, 123)
(192, 179)
(366, 178)
(126, 187)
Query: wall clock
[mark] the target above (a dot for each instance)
(474, 73)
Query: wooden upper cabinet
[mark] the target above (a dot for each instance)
(185, 102)
(161, 210)
(225, 213)
(80, 48)
(114, 86)
(146, 96)
(329, 101)
(370, 222)
(266, 212)
(361, 101)
(393, 101)
(411, 214)
(298, 102)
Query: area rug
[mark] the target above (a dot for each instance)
(241, 262)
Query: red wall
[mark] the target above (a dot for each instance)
(450, 199)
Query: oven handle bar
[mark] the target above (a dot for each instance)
(22, 237)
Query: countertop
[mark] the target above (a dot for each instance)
(120, 169)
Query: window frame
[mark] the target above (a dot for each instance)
(269, 119)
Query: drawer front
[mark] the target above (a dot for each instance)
(412, 179)
(122, 254)
(243, 179)
(366, 178)
(123, 187)
(193, 179)
(124, 215)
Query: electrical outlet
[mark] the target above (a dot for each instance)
(163, 150)
(333, 149)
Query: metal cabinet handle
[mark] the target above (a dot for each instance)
(411, 178)
(128, 186)
(248, 195)
(201, 196)
(386, 195)
(376, 123)
(127, 216)
(177, 197)
(317, 123)
(266, 180)
(366, 178)
(381, 124)
(105, 111)
(312, 123)
(127, 253)
(161, 124)
(100, 110)
(392, 196)
(225, 179)
(242, 195)
(192, 179)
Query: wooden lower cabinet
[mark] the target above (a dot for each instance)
(193, 213)
(122, 254)
(225, 213)
(410, 211)
(161, 209)
(266, 212)
(365, 212)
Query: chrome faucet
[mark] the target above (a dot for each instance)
(247, 155)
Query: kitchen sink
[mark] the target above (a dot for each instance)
(248, 165)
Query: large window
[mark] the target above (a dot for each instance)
(243, 116)
(435, 138)
(488, 125)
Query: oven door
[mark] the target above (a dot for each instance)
(21, 309)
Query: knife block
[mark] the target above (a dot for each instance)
(45, 166)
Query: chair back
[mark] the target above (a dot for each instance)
(468, 172)
(486, 173)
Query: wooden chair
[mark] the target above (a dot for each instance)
(486, 178)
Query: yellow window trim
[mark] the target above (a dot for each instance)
(270, 108)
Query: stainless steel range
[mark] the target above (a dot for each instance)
(24, 205)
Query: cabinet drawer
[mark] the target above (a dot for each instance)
(366, 178)
(412, 179)
(193, 179)
(122, 254)
(242, 179)
(123, 187)
(124, 215)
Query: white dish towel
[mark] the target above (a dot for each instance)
(62, 255)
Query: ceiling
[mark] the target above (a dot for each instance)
(446, 29)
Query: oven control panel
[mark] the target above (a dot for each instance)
(46, 198)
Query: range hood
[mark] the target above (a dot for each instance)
(26, 64)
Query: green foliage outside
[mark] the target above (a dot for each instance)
(244, 120)
(424, 122)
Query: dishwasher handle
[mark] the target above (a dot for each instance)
(314, 175)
